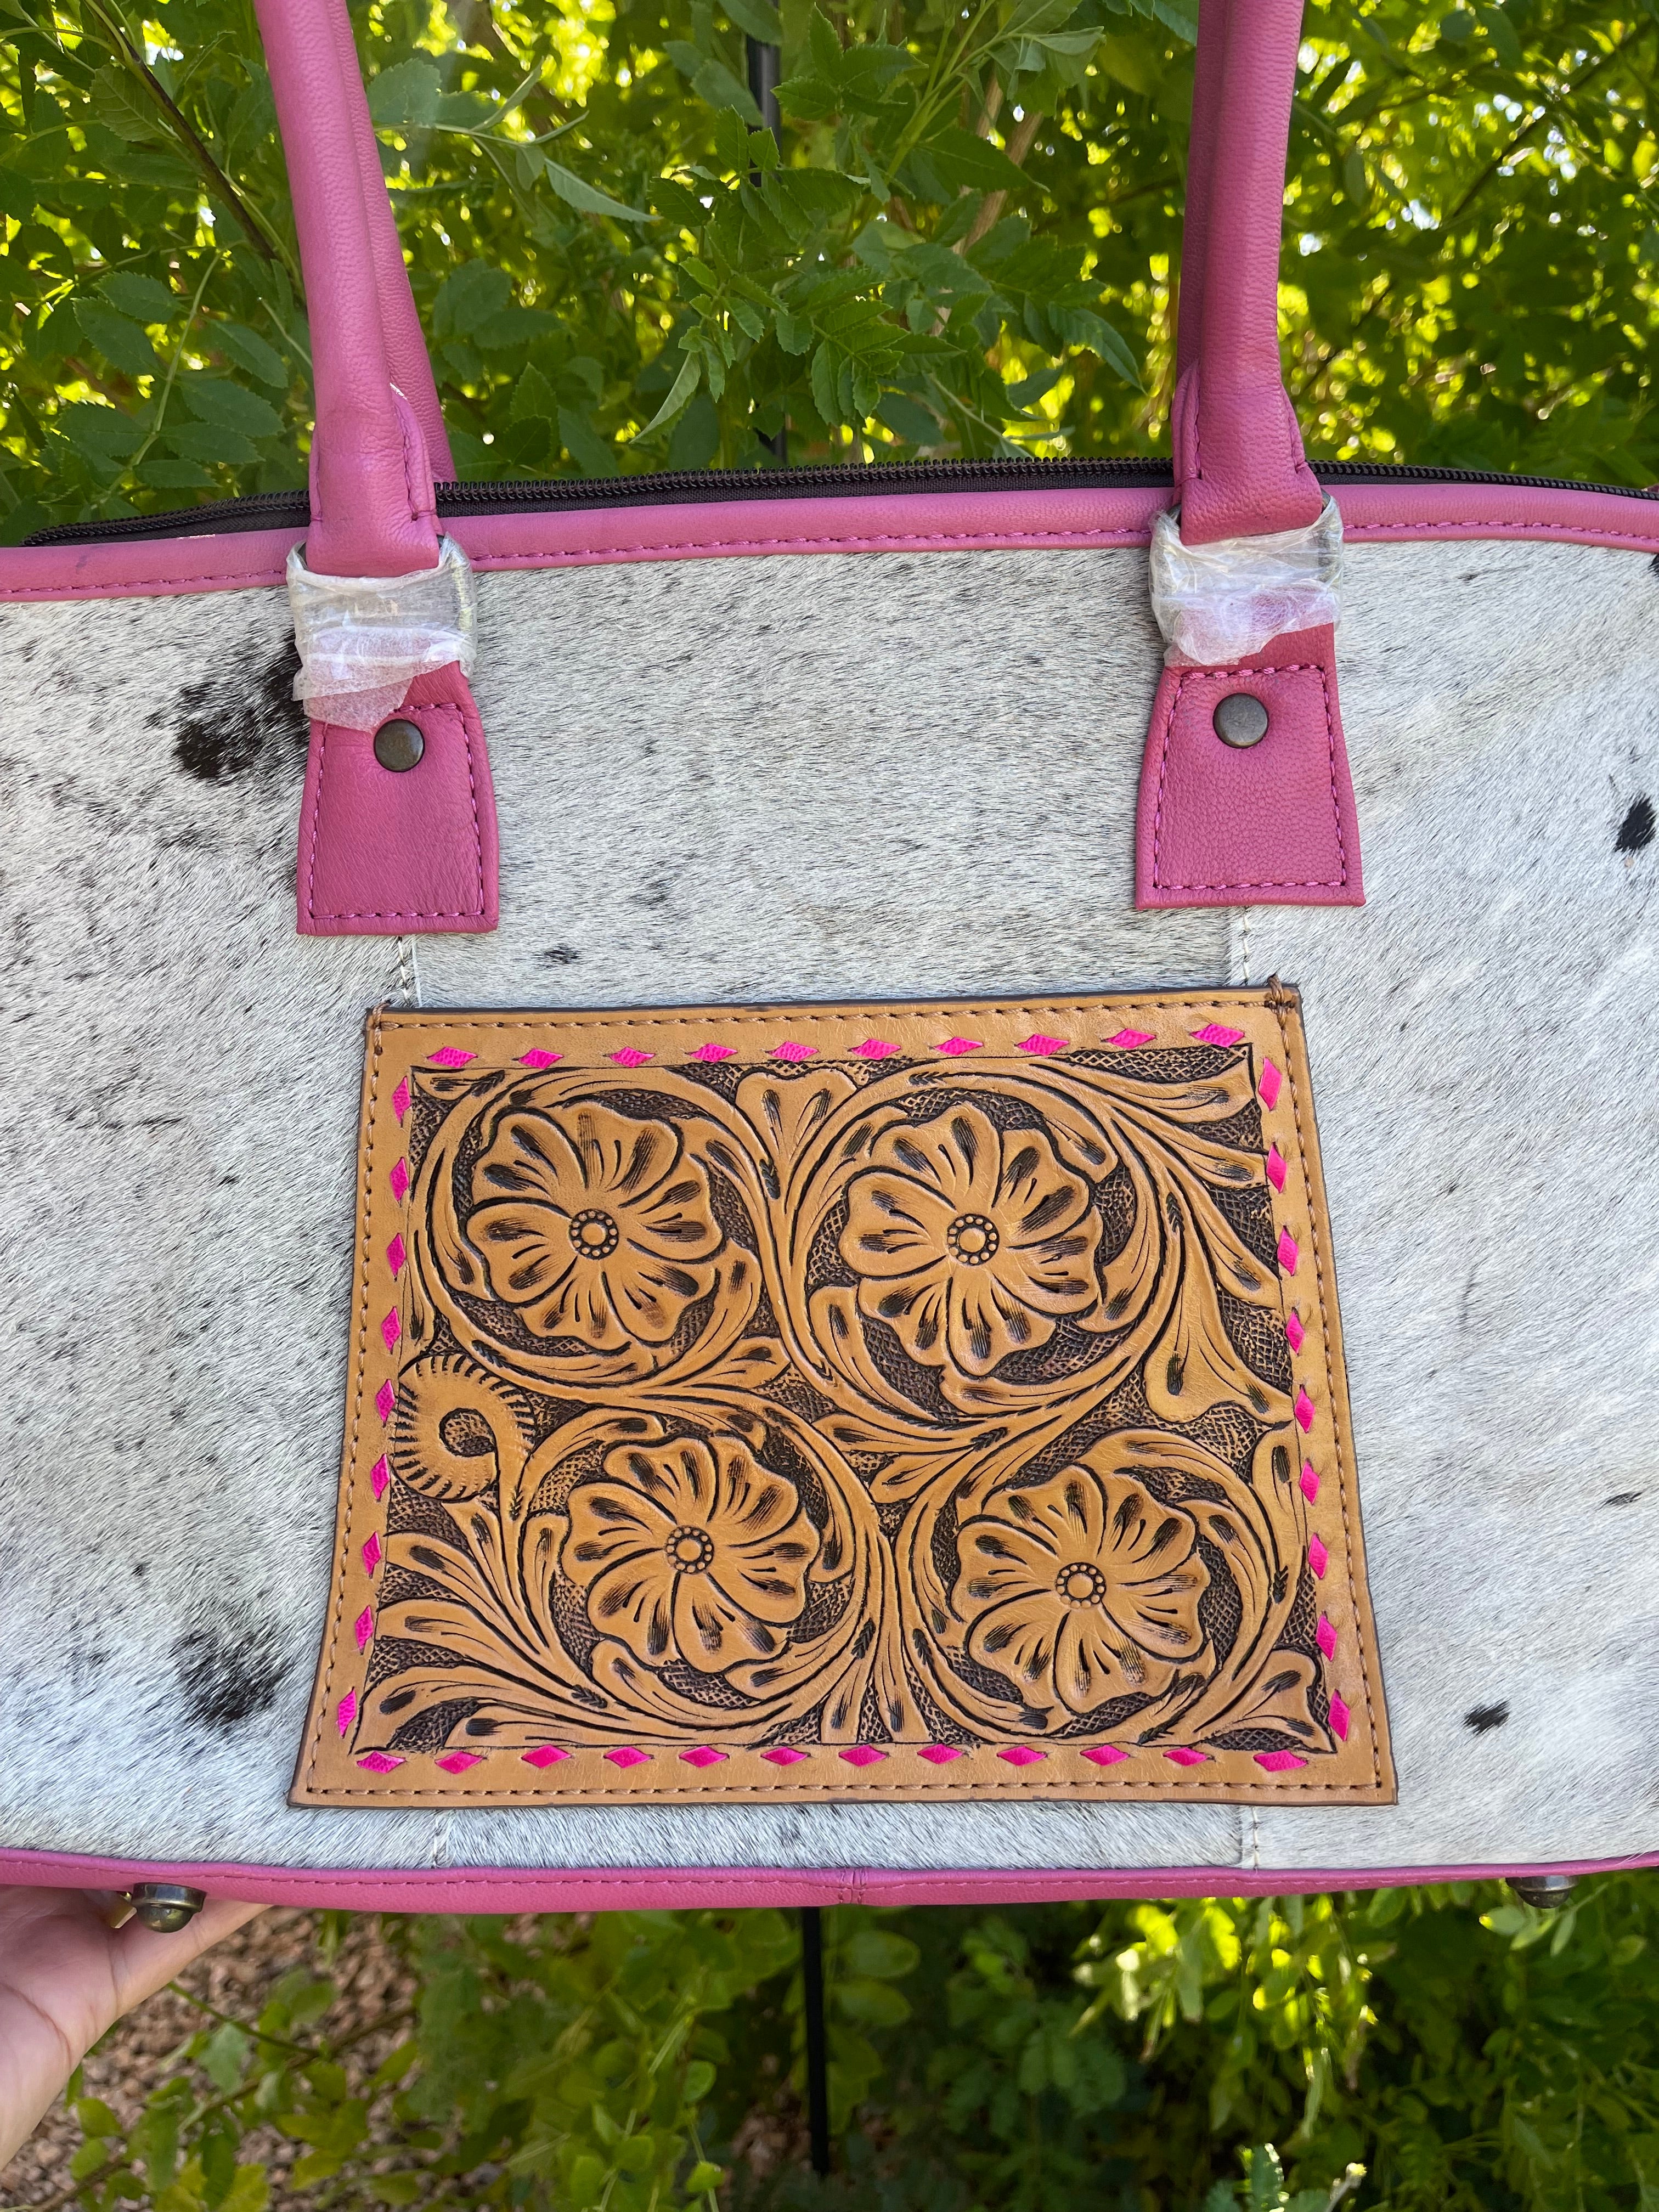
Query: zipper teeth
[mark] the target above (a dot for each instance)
(689, 486)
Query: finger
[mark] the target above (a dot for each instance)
(143, 1962)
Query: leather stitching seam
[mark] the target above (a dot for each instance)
(1276, 883)
(400, 913)
(991, 540)
(360, 1367)
(1325, 1320)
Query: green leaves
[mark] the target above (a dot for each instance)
(409, 93)
(570, 188)
(964, 241)
(759, 18)
(121, 342)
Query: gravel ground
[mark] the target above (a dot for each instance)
(373, 1984)
(234, 1978)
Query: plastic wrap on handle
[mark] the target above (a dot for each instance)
(1218, 603)
(363, 640)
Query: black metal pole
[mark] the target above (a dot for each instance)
(765, 70)
(818, 2053)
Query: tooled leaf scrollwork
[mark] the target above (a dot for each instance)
(850, 1404)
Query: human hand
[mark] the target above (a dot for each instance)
(66, 1975)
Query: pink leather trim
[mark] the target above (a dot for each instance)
(606, 1889)
(370, 474)
(1239, 467)
(1372, 514)
(1269, 824)
(382, 851)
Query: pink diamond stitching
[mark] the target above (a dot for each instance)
(380, 1762)
(1105, 1755)
(346, 1711)
(450, 1055)
(1294, 1330)
(939, 1754)
(386, 1401)
(1304, 1410)
(790, 1050)
(398, 1180)
(704, 1755)
(395, 1253)
(1268, 1084)
(864, 1754)
(1309, 1482)
(1340, 1718)
(783, 1754)
(545, 1754)
(1184, 1756)
(379, 1476)
(876, 1049)
(626, 1755)
(1325, 1637)
(371, 1556)
(1276, 1170)
(537, 1058)
(1318, 1558)
(400, 1107)
(1278, 1762)
(363, 1629)
(1213, 1033)
(1288, 1251)
(955, 1046)
(629, 1057)
(457, 1762)
(1037, 1043)
(392, 1328)
(714, 1052)
(1130, 1040)
(1022, 1754)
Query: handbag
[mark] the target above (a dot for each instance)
(854, 1222)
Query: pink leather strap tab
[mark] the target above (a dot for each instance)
(1238, 460)
(1271, 823)
(385, 851)
(372, 510)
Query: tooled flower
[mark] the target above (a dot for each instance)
(691, 1551)
(970, 1241)
(593, 1226)
(1084, 1587)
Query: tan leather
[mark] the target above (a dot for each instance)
(838, 1400)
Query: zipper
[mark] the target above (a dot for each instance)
(290, 510)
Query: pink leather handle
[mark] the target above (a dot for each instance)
(1239, 467)
(400, 323)
(372, 506)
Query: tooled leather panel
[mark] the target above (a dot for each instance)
(920, 1402)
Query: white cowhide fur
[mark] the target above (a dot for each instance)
(819, 776)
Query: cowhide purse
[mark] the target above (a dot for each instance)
(798, 1280)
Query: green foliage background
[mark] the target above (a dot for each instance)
(964, 242)
(1469, 2054)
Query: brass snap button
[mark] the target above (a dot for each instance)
(399, 744)
(1240, 719)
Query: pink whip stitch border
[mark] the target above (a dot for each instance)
(1270, 1084)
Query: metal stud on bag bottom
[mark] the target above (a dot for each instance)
(165, 1907)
